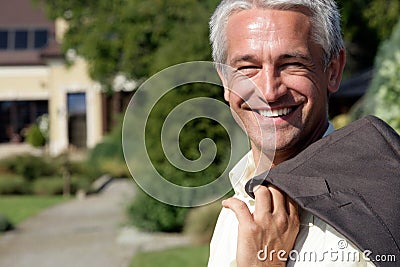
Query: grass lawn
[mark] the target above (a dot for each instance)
(192, 256)
(19, 208)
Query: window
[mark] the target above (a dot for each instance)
(21, 39)
(40, 38)
(3, 39)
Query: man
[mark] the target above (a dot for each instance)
(293, 52)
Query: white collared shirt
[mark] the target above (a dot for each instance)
(317, 244)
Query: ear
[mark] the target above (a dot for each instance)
(335, 71)
(225, 84)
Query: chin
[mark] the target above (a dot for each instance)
(287, 144)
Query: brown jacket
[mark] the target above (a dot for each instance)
(351, 180)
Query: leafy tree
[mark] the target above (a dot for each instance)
(383, 95)
(383, 24)
(138, 38)
(135, 37)
(364, 27)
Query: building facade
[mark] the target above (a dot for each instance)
(35, 82)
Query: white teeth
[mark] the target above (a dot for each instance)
(275, 113)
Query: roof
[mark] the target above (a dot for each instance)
(24, 14)
(17, 13)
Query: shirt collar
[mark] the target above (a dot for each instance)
(245, 168)
(330, 129)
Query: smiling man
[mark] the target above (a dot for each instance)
(293, 53)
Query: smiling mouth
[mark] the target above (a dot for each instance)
(276, 113)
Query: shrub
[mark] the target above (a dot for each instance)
(80, 182)
(151, 215)
(55, 185)
(48, 186)
(83, 170)
(115, 168)
(200, 222)
(107, 157)
(109, 149)
(31, 167)
(189, 136)
(5, 224)
(13, 184)
(43, 175)
(34, 136)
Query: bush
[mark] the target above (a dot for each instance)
(48, 186)
(107, 157)
(13, 185)
(200, 222)
(42, 175)
(115, 168)
(5, 224)
(151, 215)
(31, 167)
(80, 182)
(83, 170)
(164, 217)
(109, 149)
(34, 136)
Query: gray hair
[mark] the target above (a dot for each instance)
(325, 21)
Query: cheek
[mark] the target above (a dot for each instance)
(233, 99)
(311, 89)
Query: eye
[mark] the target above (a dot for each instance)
(247, 67)
(292, 65)
(248, 70)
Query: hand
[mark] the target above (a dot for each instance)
(273, 225)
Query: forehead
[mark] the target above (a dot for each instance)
(259, 28)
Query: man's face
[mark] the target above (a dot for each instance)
(274, 49)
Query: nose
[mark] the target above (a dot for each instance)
(270, 85)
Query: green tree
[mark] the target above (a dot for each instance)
(364, 28)
(138, 38)
(135, 37)
(383, 95)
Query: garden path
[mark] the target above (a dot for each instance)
(82, 232)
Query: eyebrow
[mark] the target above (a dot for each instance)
(297, 55)
(240, 58)
(250, 58)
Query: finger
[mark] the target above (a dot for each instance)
(240, 209)
(263, 203)
(278, 200)
(292, 207)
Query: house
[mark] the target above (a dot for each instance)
(34, 81)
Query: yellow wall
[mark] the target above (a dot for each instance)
(64, 80)
(53, 82)
(24, 83)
